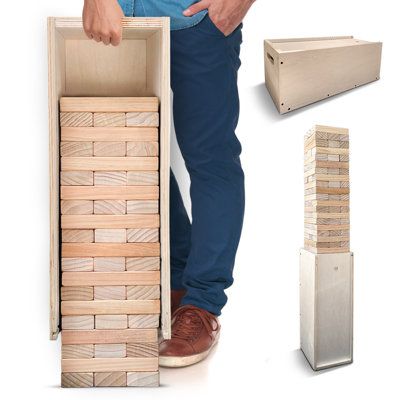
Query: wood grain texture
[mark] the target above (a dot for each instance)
(110, 149)
(76, 322)
(142, 235)
(109, 119)
(110, 379)
(142, 149)
(143, 321)
(77, 380)
(79, 178)
(77, 293)
(142, 349)
(109, 104)
(110, 250)
(76, 149)
(110, 236)
(141, 292)
(110, 293)
(76, 119)
(142, 207)
(112, 321)
(110, 193)
(77, 264)
(142, 119)
(77, 351)
(77, 235)
(104, 307)
(108, 264)
(110, 221)
(111, 278)
(109, 134)
(139, 379)
(142, 178)
(109, 163)
(142, 263)
(110, 207)
(113, 350)
(77, 207)
(110, 178)
(110, 336)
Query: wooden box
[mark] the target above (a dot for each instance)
(304, 70)
(109, 121)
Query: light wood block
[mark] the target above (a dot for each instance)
(109, 119)
(142, 149)
(115, 350)
(143, 321)
(110, 149)
(77, 250)
(148, 379)
(76, 119)
(142, 119)
(111, 322)
(108, 264)
(110, 364)
(111, 278)
(142, 235)
(110, 221)
(142, 263)
(77, 207)
(110, 178)
(142, 349)
(77, 380)
(141, 335)
(79, 178)
(109, 379)
(142, 207)
(109, 163)
(110, 192)
(77, 321)
(142, 178)
(110, 207)
(77, 235)
(106, 104)
(140, 292)
(77, 351)
(77, 264)
(77, 293)
(110, 235)
(109, 134)
(76, 149)
(110, 293)
(104, 307)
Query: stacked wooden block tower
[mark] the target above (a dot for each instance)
(326, 179)
(110, 250)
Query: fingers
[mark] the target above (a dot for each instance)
(111, 36)
(196, 7)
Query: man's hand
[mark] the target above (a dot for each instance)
(102, 21)
(225, 14)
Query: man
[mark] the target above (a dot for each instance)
(205, 45)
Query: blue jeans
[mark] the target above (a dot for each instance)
(204, 66)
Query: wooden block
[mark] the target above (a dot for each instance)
(143, 321)
(142, 119)
(76, 322)
(142, 349)
(111, 221)
(76, 379)
(109, 119)
(142, 178)
(109, 163)
(104, 307)
(110, 249)
(77, 293)
(77, 235)
(113, 350)
(110, 293)
(77, 207)
(142, 149)
(111, 278)
(142, 207)
(76, 119)
(79, 178)
(110, 336)
(110, 207)
(110, 364)
(140, 292)
(77, 264)
(109, 104)
(111, 322)
(77, 351)
(109, 192)
(108, 264)
(142, 263)
(110, 178)
(110, 379)
(109, 134)
(142, 235)
(143, 379)
(110, 149)
(110, 235)
(76, 149)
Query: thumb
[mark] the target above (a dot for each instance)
(196, 7)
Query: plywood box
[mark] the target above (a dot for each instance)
(304, 70)
(104, 100)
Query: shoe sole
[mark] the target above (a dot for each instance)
(184, 361)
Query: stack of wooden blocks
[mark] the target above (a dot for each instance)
(110, 251)
(326, 180)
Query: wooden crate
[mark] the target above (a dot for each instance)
(109, 124)
(304, 70)
(327, 190)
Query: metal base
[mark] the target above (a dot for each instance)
(326, 308)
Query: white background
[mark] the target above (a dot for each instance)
(258, 352)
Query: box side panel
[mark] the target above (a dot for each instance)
(271, 72)
(307, 305)
(56, 84)
(158, 82)
(309, 76)
(334, 309)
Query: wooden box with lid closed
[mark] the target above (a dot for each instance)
(109, 120)
(302, 71)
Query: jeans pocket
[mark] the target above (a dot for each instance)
(213, 26)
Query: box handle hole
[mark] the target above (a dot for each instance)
(270, 58)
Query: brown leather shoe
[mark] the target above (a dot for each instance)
(194, 333)
(176, 297)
